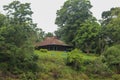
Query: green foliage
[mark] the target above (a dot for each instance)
(110, 24)
(28, 76)
(116, 77)
(39, 35)
(44, 50)
(78, 60)
(49, 34)
(70, 17)
(111, 57)
(16, 39)
(78, 27)
(2, 20)
(74, 59)
(53, 67)
(88, 36)
(98, 68)
(4, 67)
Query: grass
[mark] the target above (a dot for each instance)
(88, 56)
(51, 53)
(62, 54)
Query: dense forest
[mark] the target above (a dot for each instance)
(96, 53)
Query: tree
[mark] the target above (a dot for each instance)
(110, 23)
(78, 26)
(2, 19)
(49, 34)
(88, 36)
(70, 17)
(40, 35)
(17, 34)
(19, 16)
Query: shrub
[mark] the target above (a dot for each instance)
(116, 77)
(84, 77)
(28, 76)
(44, 50)
(3, 67)
(87, 62)
(75, 60)
(112, 58)
(98, 68)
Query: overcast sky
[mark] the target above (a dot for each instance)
(45, 10)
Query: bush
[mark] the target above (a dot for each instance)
(44, 50)
(3, 67)
(75, 60)
(116, 77)
(112, 58)
(87, 62)
(28, 76)
(98, 68)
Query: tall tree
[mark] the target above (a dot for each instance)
(111, 25)
(19, 16)
(40, 34)
(17, 35)
(87, 37)
(70, 17)
(2, 27)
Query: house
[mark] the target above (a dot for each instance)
(52, 43)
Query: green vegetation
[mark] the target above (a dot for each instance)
(43, 50)
(112, 58)
(76, 65)
(77, 25)
(97, 56)
(53, 65)
(17, 33)
(59, 65)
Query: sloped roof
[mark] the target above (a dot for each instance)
(51, 41)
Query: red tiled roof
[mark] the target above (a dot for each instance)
(51, 41)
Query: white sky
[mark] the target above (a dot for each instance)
(45, 10)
